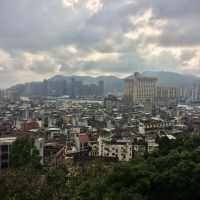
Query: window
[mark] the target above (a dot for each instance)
(4, 165)
(4, 148)
(4, 156)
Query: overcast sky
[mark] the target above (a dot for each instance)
(41, 38)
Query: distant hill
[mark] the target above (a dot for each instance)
(114, 85)
(57, 85)
(173, 79)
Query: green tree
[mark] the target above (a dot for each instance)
(173, 173)
(24, 153)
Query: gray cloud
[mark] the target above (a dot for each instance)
(188, 54)
(176, 9)
(41, 38)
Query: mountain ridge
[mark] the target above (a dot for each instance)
(112, 84)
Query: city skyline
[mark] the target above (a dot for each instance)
(99, 99)
(39, 39)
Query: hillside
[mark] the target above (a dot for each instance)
(173, 79)
(112, 84)
(62, 84)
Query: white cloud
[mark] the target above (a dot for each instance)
(94, 5)
(96, 37)
(70, 3)
(4, 58)
(144, 26)
(98, 56)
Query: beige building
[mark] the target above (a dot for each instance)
(140, 89)
(196, 92)
(166, 96)
(143, 90)
(166, 92)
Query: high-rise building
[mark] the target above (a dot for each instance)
(166, 96)
(196, 92)
(1, 94)
(73, 87)
(101, 88)
(184, 93)
(140, 89)
(45, 88)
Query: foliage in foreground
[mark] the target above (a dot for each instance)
(172, 173)
(24, 153)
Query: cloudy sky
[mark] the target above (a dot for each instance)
(41, 38)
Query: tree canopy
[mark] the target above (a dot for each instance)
(24, 153)
(171, 173)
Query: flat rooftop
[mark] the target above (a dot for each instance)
(7, 140)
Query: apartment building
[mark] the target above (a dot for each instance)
(144, 90)
(196, 92)
(121, 149)
(165, 96)
(5, 146)
(140, 89)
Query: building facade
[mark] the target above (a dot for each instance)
(166, 96)
(140, 90)
(196, 92)
(144, 90)
(120, 149)
(5, 146)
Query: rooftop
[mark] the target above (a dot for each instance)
(139, 76)
(83, 137)
(8, 140)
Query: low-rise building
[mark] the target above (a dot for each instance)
(121, 149)
(5, 146)
(81, 141)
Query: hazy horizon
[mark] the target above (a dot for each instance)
(105, 75)
(43, 38)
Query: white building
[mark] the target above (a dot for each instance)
(121, 149)
(152, 146)
(5, 145)
(39, 144)
(53, 132)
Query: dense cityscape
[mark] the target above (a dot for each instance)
(79, 128)
(76, 131)
(99, 100)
